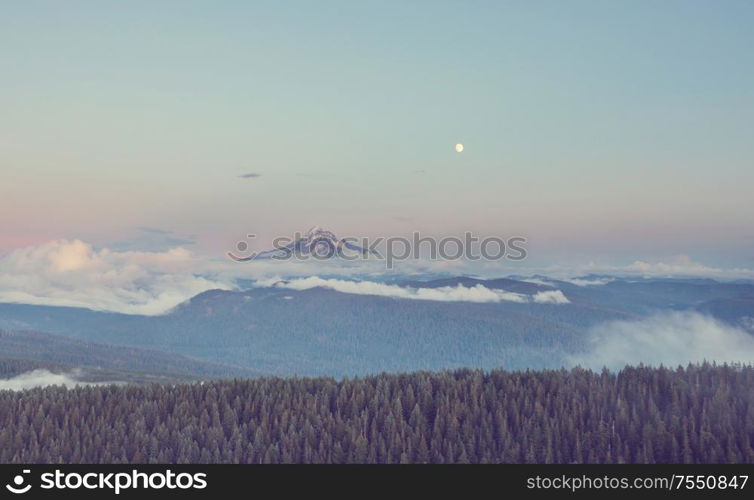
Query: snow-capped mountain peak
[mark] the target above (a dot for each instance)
(316, 242)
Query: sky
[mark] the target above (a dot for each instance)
(600, 131)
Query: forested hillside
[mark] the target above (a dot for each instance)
(323, 332)
(83, 375)
(62, 351)
(320, 332)
(697, 414)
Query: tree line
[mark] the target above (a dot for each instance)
(694, 414)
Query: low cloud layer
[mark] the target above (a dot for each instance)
(681, 266)
(460, 293)
(74, 274)
(550, 297)
(583, 282)
(589, 281)
(40, 378)
(671, 339)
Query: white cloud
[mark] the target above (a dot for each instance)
(550, 297)
(74, 274)
(589, 282)
(573, 281)
(460, 293)
(681, 266)
(41, 378)
(669, 339)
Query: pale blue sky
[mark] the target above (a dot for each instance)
(594, 128)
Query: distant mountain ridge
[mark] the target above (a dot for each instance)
(320, 331)
(66, 351)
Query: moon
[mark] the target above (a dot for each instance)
(459, 147)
